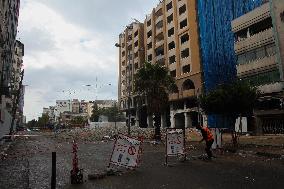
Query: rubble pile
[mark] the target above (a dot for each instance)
(101, 133)
(108, 132)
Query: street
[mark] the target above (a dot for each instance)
(28, 165)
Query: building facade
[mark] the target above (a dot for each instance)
(193, 39)
(131, 58)
(259, 37)
(9, 13)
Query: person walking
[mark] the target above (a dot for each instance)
(209, 139)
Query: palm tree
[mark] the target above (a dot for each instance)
(153, 82)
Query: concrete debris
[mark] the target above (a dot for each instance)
(96, 176)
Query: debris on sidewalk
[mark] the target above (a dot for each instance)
(97, 175)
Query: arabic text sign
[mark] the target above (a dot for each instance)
(175, 142)
(126, 152)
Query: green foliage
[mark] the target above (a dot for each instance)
(231, 99)
(112, 113)
(154, 82)
(32, 124)
(43, 121)
(95, 113)
(78, 120)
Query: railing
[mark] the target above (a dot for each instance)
(258, 65)
(257, 40)
(251, 18)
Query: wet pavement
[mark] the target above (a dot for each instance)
(28, 165)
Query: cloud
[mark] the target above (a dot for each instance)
(69, 44)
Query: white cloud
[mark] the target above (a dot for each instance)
(69, 44)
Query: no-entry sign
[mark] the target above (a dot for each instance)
(126, 152)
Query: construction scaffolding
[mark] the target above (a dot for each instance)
(217, 44)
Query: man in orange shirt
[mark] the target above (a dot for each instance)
(209, 139)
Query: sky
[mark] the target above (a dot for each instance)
(70, 44)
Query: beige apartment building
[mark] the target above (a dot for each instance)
(259, 46)
(171, 40)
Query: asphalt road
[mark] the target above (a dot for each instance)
(28, 165)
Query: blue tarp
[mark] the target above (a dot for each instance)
(217, 42)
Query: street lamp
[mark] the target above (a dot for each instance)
(128, 88)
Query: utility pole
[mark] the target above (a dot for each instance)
(16, 102)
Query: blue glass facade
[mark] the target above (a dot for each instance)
(217, 43)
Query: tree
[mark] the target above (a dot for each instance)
(43, 121)
(78, 120)
(154, 82)
(32, 124)
(95, 113)
(233, 100)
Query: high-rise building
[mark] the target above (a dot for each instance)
(259, 46)
(131, 56)
(193, 39)
(9, 13)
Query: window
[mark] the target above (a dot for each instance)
(159, 51)
(241, 59)
(171, 32)
(136, 33)
(136, 66)
(172, 45)
(173, 73)
(136, 55)
(182, 9)
(188, 84)
(184, 38)
(136, 44)
(260, 53)
(123, 53)
(159, 24)
(169, 6)
(149, 34)
(185, 53)
(186, 69)
(172, 59)
(250, 56)
(149, 23)
(149, 46)
(183, 24)
(150, 57)
(170, 18)
(270, 50)
(123, 63)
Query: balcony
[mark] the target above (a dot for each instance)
(160, 43)
(259, 65)
(159, 57)
(271, 88)
(169, 12)
(159, 30)
(171, 52)
(180, 3)
(172, 66)
(173, 96)
(185, 45)
(251, 18)
(185, 61)
(187, 93)
(254, 41)
(159, 7)
(170, 25)
(158, 19)
(182, 16)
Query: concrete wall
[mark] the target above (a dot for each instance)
(5, 125)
